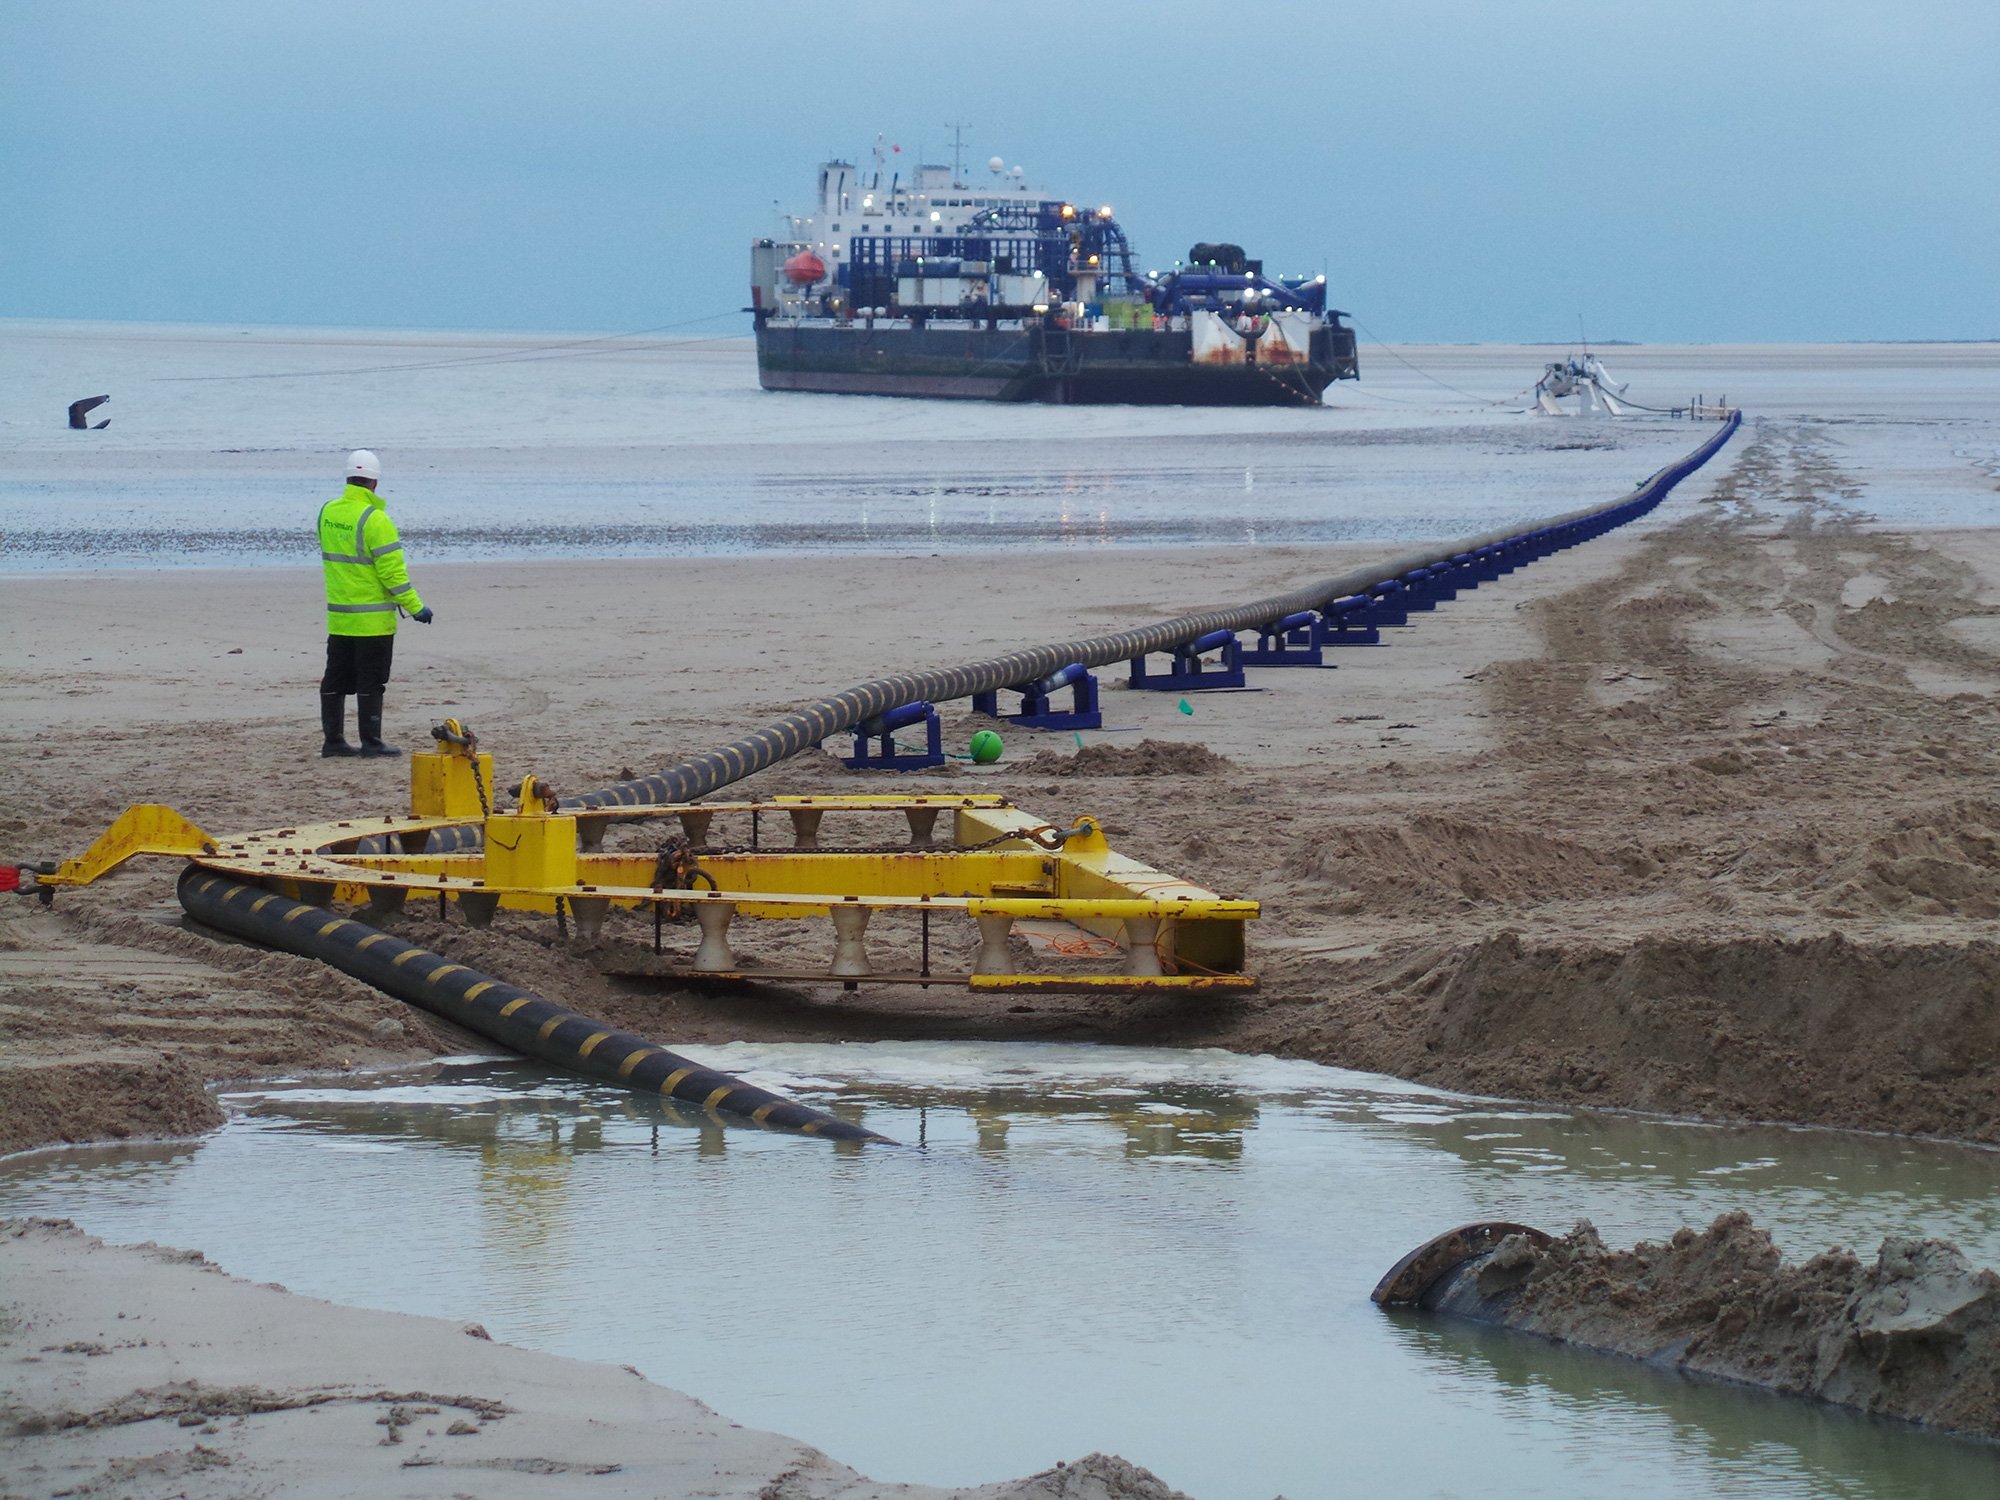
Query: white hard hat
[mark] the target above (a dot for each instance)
(363, 464)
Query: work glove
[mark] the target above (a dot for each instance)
(423, 616)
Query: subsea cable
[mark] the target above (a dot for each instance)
(505, 1013)
(830, 716)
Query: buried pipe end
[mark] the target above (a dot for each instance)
(1417, 1273)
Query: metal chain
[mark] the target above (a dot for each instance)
(451, 732)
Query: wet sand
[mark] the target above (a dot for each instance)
(145, 1371)
(1912, 1334)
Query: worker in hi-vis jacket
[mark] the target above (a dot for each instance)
(367, 589)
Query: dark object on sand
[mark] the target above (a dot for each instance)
(79, 411)
(1912, 1334)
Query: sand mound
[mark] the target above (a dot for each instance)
(1945, 862)
(1147, 758)
(323, 1382)
(1899, 1036)
(1915, 1335)
(114, 1094)
(110, 1024)
(1440, 858)
(1100, 1476)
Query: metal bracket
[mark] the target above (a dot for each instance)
(883, 727)
(1188, 675)
(1035, 713)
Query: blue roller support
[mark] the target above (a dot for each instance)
(1392, 606)
(1037, 709)
(883, 727)
(1293, 641)
(1188, 675)
(894, 719)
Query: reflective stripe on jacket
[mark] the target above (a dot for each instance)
(367, 585)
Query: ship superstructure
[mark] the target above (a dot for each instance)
(931, 286)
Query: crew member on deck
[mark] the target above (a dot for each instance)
(367, 589)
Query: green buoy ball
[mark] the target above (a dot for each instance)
(986, 747)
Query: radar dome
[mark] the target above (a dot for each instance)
(995, 165)
(1015, 173)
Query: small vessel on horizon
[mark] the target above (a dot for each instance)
(935, 287)
(1578, 385)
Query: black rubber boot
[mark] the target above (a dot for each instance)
(333, 725)
(368, 710)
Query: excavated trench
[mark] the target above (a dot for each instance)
(1164, 1250)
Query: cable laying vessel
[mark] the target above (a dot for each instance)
(931, 286)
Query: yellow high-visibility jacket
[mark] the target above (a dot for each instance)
(367, 586)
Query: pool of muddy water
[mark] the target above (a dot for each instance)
(1165, 1254)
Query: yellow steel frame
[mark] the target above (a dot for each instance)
(531, 861)
(144, 828)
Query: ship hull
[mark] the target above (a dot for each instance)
(1061, 367)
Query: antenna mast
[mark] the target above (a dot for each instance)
(958, 129)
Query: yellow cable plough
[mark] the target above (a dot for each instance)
(996, 867)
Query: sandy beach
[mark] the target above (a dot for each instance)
(1551, 1050)
(1692, 819)
(1726, 764)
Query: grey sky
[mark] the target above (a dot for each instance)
(1686, 171)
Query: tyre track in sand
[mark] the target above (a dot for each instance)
(1763, 816)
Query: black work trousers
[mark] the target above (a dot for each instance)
(357, 665)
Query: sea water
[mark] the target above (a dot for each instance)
(224, 442)
(1161, 1253)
